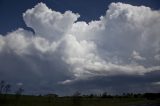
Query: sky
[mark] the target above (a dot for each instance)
(91, 46)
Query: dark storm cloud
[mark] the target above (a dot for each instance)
(118, 84)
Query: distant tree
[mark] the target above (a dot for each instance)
(2, 85)
(137, 95)
(124, 94)
(91, 95)
(77, 94)
(77, 99)
(151, 96)
(129, 95)
(7, 88)
(19, 91)
(18, 95)
(104, 95)
(40, 95)
(52, 95)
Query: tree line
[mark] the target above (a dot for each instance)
(124, 95)
(5, 88)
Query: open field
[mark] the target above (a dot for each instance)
(12, 100)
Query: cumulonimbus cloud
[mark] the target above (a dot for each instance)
(109, 46)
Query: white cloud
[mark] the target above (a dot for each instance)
(156, 83)
(17, 41)
(47, 23)
(98, 48)
(137, 56)
(19, 84)
(2, 43)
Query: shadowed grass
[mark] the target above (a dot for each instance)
(12, 100)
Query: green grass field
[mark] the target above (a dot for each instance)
(12, 100)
